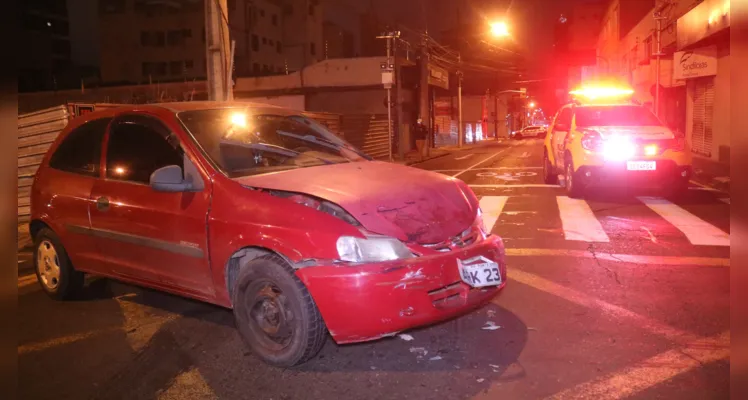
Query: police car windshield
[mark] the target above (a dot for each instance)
(615, 116)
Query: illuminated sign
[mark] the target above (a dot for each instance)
(695, 63)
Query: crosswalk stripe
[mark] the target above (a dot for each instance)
(579, 222)
(698, 231)
(492, 207)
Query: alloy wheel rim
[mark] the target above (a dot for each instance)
(48, 265)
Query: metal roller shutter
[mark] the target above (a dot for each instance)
(703, 113)
(367, 132)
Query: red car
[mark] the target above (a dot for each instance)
(264, 211)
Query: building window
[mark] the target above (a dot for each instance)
(275, 20)
(160, 39)
(111, 6)
(255, 43)
(61, 47)
(279, 47)
(175, 68)
(312, 49)
(174, 38)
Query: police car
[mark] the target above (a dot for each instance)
(605, 138)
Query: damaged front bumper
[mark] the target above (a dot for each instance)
(366, 302)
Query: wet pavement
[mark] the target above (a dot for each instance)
(628, 299)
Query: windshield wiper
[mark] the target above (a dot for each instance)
(273, 149)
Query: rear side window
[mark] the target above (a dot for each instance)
(80, 151)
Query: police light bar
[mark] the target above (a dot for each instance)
(602, 92)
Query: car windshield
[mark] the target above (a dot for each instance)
(243, 141)
(615, 116)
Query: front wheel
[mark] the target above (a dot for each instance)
(275, 314)
(549, 174)
(573, 187)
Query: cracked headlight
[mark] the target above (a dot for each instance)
(480, 224)
(371, 249)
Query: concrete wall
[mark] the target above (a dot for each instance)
(343, 72)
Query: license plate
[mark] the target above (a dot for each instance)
(641, 165)
(479, 272)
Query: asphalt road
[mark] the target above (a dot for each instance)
(620, 295)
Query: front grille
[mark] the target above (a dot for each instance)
(466, 238)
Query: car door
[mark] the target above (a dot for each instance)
(62, 188)
(561, 128)
(144, 234)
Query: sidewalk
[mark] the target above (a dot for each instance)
(412, 157)
(711, 174)
(24, 238)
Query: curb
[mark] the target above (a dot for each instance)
(414, 162)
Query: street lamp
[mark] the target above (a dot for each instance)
(499, 29)
(532, 104)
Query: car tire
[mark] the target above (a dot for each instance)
(549, 173)
(275, 314)
(677, 190)
(53, 267)
(573, 188)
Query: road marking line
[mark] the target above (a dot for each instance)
(698, 231)
(491, 207)
(652, 371)
(477, 164)
(573, 296)
(486, 169)
(624, 258)
(39, 346)
(189, 384)
(515, 186)
(27, 280)
(463, 157)
(579, 222)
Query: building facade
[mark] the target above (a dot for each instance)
(45, 59)
(693, 66)
(145, 41)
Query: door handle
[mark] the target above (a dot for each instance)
(102, 204)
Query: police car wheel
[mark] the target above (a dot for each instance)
(573, 188)
(549, 175)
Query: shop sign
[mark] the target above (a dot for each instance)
(695, 63)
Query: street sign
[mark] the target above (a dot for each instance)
(387, 79)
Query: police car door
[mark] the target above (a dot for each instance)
(561, 128)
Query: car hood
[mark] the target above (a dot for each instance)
(640, 132)
(410, 204)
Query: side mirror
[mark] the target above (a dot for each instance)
(169, 179)
(560, 128)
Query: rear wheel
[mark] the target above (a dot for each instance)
(275, 314)
(573, 187)
(54, 270)
(549, 173)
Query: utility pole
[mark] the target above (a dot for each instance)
(399, 106)
(217, 50)
(658, 19)
(423, 89)
(460, 128)
(387, 79)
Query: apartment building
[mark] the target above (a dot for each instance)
(146, 41)
(45, 46)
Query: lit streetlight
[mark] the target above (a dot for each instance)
(532, 104)
(499, 29)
